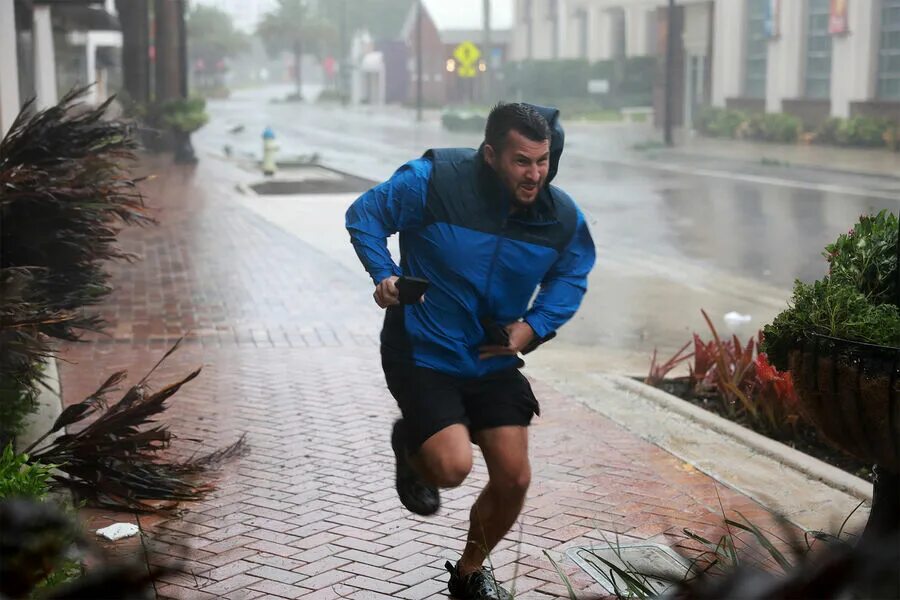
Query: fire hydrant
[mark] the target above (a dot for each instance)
(270, 148)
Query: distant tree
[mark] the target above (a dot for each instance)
(382, 18)
(212, 38)
(293, 27)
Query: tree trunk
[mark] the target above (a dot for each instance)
(135, 47)
(298, 68)
(168, 69)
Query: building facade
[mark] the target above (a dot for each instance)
(812, 58)
(588, 29)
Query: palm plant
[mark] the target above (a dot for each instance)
(65, 193)
(112, 460)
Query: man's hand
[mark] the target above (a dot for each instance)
(386, 293)
(520, 335)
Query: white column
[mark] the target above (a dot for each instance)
(44, 58)
(854, 58)
(729, 50)
(9, 67)
(784, 64)
(90, 51)
(518, 48)
(637, 29)
(562, 22)
(603, 35)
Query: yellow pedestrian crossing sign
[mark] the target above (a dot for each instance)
(467, 55)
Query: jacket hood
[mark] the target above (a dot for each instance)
(557, 137)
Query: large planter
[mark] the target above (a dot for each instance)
(851, 392)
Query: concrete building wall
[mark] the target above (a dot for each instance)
(554, 28)
(785, 64)
(717, 32)
(729, 48)
(854, 60)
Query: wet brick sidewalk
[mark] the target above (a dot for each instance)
(288, 345)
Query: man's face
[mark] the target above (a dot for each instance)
(522, 166)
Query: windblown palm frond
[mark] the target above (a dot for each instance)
(66, 191)
(115, 459)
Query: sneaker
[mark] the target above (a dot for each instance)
(478, 585)
(415, 494)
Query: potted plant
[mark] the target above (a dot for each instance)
(183, 116)
(840, 338)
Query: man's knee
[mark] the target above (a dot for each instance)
(513, 484)
(447, 469)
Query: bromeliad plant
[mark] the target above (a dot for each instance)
(738, 377)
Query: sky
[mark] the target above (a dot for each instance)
(466, 14)
(449, 14)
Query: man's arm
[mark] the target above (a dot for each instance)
(397, 204)
(564, 285)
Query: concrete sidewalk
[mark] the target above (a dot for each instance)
(287, 337)
(878, 162)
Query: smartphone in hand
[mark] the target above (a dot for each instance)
(495, 333)
(411, 289)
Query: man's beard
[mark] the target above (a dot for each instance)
(519, 203)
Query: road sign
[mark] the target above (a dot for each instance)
(467, 55)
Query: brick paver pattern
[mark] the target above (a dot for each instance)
(288, 342)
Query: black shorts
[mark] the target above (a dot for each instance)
(430, 400)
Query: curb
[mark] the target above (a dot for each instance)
(802, 165)
(813, 467)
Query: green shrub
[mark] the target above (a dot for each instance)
(827, 132)
(16, 402)
(719, 122)
(331, 96)
(637, 76)
(545, 81)
(555, 81)
(863, 131)
(771, 127)
(866, 257)
(869, 132)
(854, 301)
(18, 478)
(185, 115)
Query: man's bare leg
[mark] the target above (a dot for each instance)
(445, 459)
(498, 506)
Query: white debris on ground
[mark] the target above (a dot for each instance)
(118, 531)
(735, 318)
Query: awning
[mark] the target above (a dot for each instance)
(372, 62)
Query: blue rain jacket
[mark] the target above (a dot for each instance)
(456, 230)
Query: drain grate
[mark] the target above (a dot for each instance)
(660, 565)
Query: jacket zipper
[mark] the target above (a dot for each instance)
(491, 267)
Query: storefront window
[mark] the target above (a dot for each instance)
(889, 51)
(818, 50)
(757, 49)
